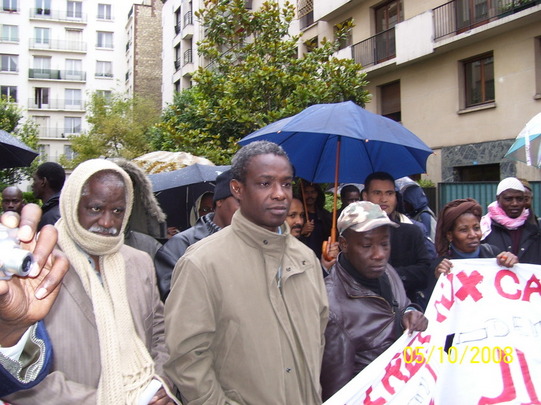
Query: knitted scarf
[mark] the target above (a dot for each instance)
(126, 366)
(497, 214)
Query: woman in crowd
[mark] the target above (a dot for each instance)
(458, 236)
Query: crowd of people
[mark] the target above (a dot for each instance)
(245, 306)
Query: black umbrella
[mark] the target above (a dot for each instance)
(13, 152)
(178, 190)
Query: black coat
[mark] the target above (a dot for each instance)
(530, 242)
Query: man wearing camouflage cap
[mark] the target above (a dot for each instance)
(368, 305)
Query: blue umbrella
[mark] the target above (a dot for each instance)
(369, 143)
(178, 190)
(527, 146)
(343, 142)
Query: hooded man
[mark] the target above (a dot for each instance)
(106, 325)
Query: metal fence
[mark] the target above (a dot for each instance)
(484, 193)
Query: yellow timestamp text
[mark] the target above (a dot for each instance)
(458, 354)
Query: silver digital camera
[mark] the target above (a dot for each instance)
(13, 259)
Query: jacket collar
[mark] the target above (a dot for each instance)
(259, 237)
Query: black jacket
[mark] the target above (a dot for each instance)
(530, 242)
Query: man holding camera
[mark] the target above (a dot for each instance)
(25, 349)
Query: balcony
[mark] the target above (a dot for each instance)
(188, 18)
(57, 45)
(55, 104)
(57, 15)
(61, 133)
(376, 49)
(53, 74)
(459, 16)
(187, 29)
(188, 57)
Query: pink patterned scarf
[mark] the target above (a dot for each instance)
(496, 213)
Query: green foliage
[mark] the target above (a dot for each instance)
(426, 183)
(254, 77)
(11, 121)
(120, 127)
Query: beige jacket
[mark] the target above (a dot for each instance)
(233, 336)
(72, 327)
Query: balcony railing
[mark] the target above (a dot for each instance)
(188, 56)
(58, 44)
(48, 132)
(458, 16)
(376, 49)
(178, 27)
(57, 15)
(188, 18)
(53, 74)
(178, 63)
(56, 104)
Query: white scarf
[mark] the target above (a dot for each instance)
(126, 366)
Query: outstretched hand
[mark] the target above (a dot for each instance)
(26, 300)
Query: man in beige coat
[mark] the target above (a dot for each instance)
(106, 326)
(247, 311)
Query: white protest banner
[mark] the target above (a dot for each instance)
(482, 345)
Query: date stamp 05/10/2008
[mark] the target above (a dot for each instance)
(458, 354)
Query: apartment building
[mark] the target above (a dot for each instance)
(55, 53)
(464, 75)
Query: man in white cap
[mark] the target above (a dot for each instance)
(368, 305)
(506, 223)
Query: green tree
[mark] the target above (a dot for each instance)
(11, 121)
(254, 77)
(119, 128)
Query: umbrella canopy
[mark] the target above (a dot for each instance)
(527, 146)
(178, 190)
(369, 143)
(164, 161)
(13, 152)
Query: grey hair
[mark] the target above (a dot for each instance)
(109, 176)
(239, 163)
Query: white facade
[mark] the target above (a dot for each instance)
(55, 53)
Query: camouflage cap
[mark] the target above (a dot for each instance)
(363, 216)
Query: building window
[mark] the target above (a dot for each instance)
(305, 12)
(346, 41)
(10, 33)
(9, 63)
(178, 20)
(311, 44)
(72, 125)
(44, 151)
(75, 9)
(390, 101)
(43, 7)
(479, 80)
(73, 97)
(41, 36)
(9, 5)
(9, 93)
(41, 97)
(68, 152)
(104, 12)
(537, 56)
(105, 40)
(106, 94)
(104, 68)
(388, 15)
